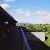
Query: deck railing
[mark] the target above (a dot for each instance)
(26, 44)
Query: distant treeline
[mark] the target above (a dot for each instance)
(39, 27)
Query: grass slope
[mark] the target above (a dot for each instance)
(47, 42)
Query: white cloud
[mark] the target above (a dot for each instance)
(43, 16)
(28, 16)
(20, 11)
(35, 17)
(23, 13)
(5, 6)
(9, 0)
(28, 13)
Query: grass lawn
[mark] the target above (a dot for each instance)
(47, 42)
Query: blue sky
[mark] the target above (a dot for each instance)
(32, 4)
(28, 11)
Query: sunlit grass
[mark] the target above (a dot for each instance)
(47, 42)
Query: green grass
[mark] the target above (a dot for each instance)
(47, 42)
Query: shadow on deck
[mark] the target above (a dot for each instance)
(13, 41)
(34, 42)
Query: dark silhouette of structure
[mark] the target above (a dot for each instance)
(10, 38)
(6, 22)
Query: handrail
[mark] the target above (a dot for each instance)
(25, 40)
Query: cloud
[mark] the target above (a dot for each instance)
(42, 13)
(27, 16)
(28, 13)
(5, 6)
(34, 17)
(42, 16)
(20, 10)
(23, 13)
(9, 0)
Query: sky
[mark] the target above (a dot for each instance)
(28, 11)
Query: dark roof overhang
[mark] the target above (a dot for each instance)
(5, 16)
